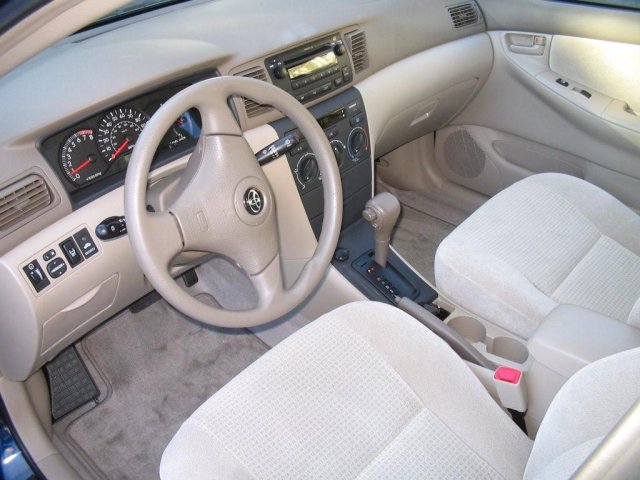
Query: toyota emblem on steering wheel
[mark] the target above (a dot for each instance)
(253, 201)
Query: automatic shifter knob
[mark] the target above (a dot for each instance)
(382, 212)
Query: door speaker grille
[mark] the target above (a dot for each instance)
(463, 155)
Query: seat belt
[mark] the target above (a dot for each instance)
(618, 455)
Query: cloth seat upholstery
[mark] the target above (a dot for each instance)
(546, 240)
(365, 392)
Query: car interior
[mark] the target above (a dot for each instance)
(297, 239)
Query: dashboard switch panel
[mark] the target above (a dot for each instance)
(111, 227)
(71, 251)
(86, 243)
(36, 275)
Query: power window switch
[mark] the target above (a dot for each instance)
(71, 251)
(562, 82)
(36, 275)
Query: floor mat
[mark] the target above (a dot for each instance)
(417, 237)
(158, 367)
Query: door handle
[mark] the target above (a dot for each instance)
(526, 44)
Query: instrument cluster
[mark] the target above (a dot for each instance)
(100, 147)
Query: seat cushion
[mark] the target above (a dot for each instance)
(583, 412)
(549, 239)
(365, 391)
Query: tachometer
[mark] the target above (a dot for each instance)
(79, 158)
(118, 132)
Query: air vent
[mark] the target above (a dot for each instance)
(22, 200)
(357, 43)
(464, 15)
(252, 108)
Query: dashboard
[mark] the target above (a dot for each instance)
(91, 156)
(364, 68)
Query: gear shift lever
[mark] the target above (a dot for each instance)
(382, 212)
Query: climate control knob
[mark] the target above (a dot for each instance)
(338, 151)
(307, 170)
(358, 143)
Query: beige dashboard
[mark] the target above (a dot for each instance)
(92, 71)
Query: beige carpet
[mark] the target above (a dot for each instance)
(417, 237)
(158, 367)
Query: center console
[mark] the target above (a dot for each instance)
(344, 121)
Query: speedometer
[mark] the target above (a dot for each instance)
(118, 132)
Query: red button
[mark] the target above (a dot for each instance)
(508, 374)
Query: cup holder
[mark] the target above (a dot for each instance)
(475, 332)
(469, 328)
(509, 348)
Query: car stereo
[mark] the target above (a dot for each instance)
(311, 70)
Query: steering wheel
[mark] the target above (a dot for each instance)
(224, 203)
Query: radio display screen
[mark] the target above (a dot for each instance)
(313, 65)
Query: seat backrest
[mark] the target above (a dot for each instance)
(584, 411)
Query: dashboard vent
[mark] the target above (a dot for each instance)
(464, 15)
(357, 43)
(23, 199)
(252, 108)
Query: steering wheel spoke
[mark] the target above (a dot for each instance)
(269, 284)
(162, 227)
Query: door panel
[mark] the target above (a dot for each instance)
(562, 18)
(611, 68)
(552, 103)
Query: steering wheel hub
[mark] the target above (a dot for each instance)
(253, 200)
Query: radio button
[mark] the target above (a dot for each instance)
(296, 85)
(280, 71)
(338, 81)
(326, 87)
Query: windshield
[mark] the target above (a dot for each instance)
(133, 8)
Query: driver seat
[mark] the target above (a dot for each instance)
(367, 392)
